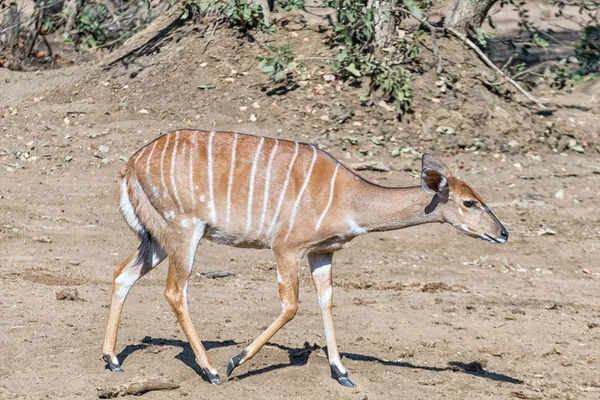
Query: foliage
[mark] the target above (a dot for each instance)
(98, 26)
(240, 14)
(388, 68)
(586, 50)
(277, 65)
(290, 5)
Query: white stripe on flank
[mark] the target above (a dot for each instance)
(193, 149)
(331, 189)
(173, 159)
(139, 155)
(251, 192)
(162, 165)
(148, 177)
(302, 189)
(211, 196)
(283, 190)
(267, 183)
(230, 181)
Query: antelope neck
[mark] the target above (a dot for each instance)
(379, 208)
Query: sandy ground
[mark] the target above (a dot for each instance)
(424, 313)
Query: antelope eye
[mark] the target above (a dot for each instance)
(469, 203)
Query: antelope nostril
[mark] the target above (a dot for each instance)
(504, 233)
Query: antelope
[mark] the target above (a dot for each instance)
(256, 192)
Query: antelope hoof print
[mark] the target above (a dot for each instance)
(213, 378)
(114, 367)
(235, 362)
(342, 378)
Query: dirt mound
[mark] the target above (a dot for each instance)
(212, 81)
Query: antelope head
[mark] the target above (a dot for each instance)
(460, 205)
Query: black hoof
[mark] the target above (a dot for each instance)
(215, 379)
(345, 381)
(342, 378)
(235, 362)
(111, 365)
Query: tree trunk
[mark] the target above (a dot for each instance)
(467, 15)
(10, 26)
(71, 11)
(385, 21)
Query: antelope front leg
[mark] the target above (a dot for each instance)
(320, 268)
(287, 276)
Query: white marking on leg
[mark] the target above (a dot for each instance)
(325, 297)
(173, 184)
(267, 183)
(464, 227)
(184, 223)
(251, 191)
(302, 189)
(331, 190)
(195, 241)
(279, 278)
(162, 165)
(125, 281)
(201, 199)
(148, 176)
(211, 196)
(230, 181)
(320, 267)
(169, 215)
(283, 190)
(128, 210)
(193, 150)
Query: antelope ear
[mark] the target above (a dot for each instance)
(434, 175)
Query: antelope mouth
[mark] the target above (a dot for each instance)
(491, 239)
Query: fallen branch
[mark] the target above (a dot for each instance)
(138, 388)
(157, 28)
(477, 50)
(490, 64)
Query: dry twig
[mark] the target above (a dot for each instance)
(480, 53)
(138, 387)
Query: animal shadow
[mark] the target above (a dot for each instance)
(186, 355)
(473, 368)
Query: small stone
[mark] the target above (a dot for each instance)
(513, 143)
(560, 194)
(243, 108)
(143, 111)
(252, 118)
(255, 105)
(68, 294)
